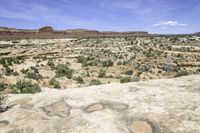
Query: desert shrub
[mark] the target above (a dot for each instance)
(129, 72)
(63, 70)
(15, 73)
(181, 73)
(18, 59)
(3, 62)
(9, 62)
(169, 67)
(24, 71)
(2, 86)
(51, 64)
(34, 69)
(54, 83)
(80, 80)
(95, 82)
(8, 71)
(3, 99)
(107, 63)
(102, 73)
(198, 70)
(135, 79)
(26, 86)
(33, 75)
(81, 59)
(119, 63)
(44, 58)
(125, 62)
(125, 79)
(87, 61)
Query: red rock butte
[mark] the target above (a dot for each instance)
(48, 32)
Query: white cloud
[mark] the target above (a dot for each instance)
(169, 23)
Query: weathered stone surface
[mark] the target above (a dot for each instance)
(95, 107)
(157, 106)
(60, 109)
(3, 123)
(140, 127)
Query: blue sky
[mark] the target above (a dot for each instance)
(155, 16)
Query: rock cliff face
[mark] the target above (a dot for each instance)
(48, 32)
(158, 106)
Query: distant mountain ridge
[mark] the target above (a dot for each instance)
(48, 32)
(197, 33)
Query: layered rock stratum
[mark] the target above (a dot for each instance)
(156, 106)
(50, 33)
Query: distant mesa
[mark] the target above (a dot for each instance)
(48, 32)
(46, 29)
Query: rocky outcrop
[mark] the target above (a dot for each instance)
(46, 29)
(157, 106)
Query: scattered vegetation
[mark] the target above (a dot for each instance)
(26, 86)
(51, 64)
(125, 79)
(33, 75)
(95, 82)
(2, 86)
(80, 80)
(181, 73)
(107, 63)
(129, 72)
(54, 83)
(102, 73)
(3, 99)
(63, 70)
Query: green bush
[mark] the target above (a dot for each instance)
(95, 82)
(26, 86)
(54, 83)
(87, 61)
(81, 59)
(51, 64)
(3, 62)
(80, 80)
(3, 99)
(125, 79)
(129, 72)
(8, 71)
(119, 63)
(24, 71)
(181, 73)
(107, 63)
(33, 75)
(2, 86)
(15, 73)
(9, 61)
(63, 70)
(102, 73)
(34, 69)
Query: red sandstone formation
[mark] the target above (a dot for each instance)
(46, 29)
(48, 32)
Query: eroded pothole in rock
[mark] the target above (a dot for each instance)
(119, 106)
(95, 107)
(140, 126)
(3, 123)
(60, 109)
(27, 106)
